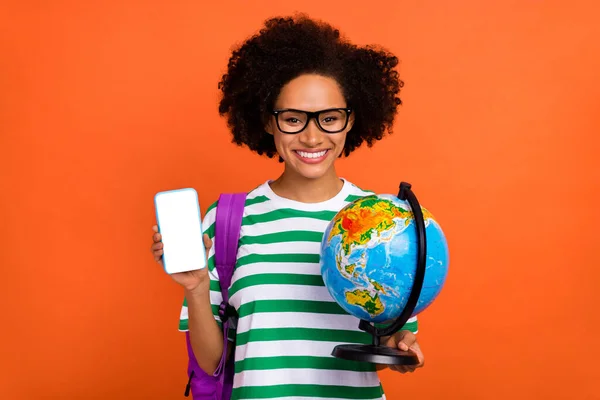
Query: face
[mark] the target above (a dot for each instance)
(312, 152)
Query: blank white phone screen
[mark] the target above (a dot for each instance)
(178, 219)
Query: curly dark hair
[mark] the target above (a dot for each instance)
(288, 47)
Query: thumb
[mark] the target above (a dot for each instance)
(207, 242)
(406, 340)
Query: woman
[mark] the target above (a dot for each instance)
(297, 90)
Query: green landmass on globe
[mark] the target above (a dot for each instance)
(363, 298)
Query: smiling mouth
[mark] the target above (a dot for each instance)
(311, 154)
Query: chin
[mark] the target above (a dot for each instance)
(312, 172)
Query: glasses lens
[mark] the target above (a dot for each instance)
(333, 121)
(291, 121)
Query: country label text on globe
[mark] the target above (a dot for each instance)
(369, 258)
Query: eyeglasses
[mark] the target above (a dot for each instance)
(332, 120)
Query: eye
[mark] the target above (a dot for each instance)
(291, 118)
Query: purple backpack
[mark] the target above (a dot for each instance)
(230, 209)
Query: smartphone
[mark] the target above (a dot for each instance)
(179, 223)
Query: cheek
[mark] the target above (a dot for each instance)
(282, 142)
(340, 142)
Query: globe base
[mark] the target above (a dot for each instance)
(374, 354)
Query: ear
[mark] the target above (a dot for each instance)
(350, 122)
(269, 126)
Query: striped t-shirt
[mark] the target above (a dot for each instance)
(288, 322)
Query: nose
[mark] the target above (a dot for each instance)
(312, 135)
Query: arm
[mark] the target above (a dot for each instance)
(206, 336)
(201, 317)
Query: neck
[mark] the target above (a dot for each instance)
(293, 186)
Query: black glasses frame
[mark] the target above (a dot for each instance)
(310, 115)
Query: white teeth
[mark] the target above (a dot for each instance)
(312, 155)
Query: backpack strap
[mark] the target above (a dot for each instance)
(228, 221)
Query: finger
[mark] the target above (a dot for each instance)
(157, 237)
(403, 346)
(207, 242)
(155, 247)
(398, 368)
(409, 368)
(416, 349)
(390, 342)
(407, 340)
(158, 255)
(155, 228)
(421, 359)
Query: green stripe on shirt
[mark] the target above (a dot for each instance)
(285, 214)
(278, 258)
(283, 237)
(263, 363)
(323, 335)
(279, 391)
(304, 306)
(275, 279)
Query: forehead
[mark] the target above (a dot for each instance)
(311, 93)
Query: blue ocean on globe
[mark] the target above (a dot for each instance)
(369, 258)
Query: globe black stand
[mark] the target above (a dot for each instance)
(381, 354)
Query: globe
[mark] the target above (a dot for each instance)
(369, 258)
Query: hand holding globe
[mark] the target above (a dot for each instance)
(384, 259)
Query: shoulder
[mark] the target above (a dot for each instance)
(255, 196)
(354, 191)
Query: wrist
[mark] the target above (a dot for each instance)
(200, 291)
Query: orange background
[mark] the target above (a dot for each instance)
(102, 104)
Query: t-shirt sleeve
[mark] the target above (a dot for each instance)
(411, 325)
(208, 226)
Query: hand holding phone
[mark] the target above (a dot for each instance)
(180, 227)
(190, 280)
